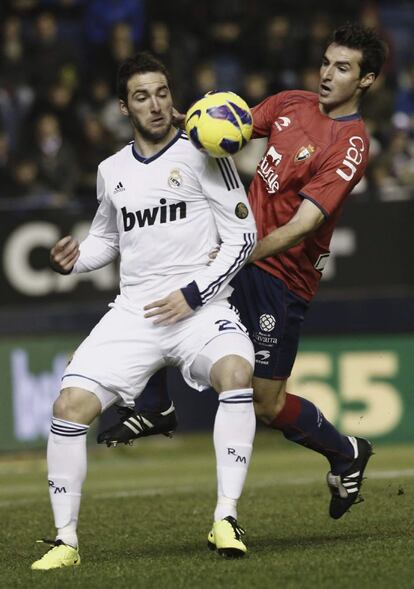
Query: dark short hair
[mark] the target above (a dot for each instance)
(140, 63)
(374, 50)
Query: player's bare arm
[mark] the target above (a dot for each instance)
(64, 254)
(169, 310)
(306, 220)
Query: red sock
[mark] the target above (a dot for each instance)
(289, 413)
(303, 423)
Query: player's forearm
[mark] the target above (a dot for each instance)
(96, 252)
(211, 280)
(305, 221)
(276, 242)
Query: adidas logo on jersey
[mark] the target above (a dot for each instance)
(119, 188)
(163, 214)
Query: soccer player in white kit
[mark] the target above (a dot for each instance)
(163, 206)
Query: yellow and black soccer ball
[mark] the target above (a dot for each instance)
(220, 123)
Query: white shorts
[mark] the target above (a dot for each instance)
(125, 349)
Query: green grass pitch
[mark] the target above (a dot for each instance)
(146, 512)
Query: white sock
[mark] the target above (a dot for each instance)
(234, 430)
(66, 462)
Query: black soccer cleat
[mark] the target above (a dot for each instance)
(134, 425)
(345, 487)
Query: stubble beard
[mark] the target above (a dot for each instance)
(147, 134)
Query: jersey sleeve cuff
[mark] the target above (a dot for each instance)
(316, 203)
(192, 295)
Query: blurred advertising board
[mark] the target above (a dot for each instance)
(362, 384)
(25, 275)
(371, 251)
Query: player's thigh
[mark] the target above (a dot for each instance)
(216, 335)
(274, 316)
(117, 358)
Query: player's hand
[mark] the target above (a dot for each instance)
(64, 255)
(178, 119)
(169, 310)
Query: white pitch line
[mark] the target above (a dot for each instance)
(154, 491)
(375, 475)
(144, 492)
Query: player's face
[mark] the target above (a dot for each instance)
(149, 105)
(340, 82)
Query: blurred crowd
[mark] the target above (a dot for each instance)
(59, 115)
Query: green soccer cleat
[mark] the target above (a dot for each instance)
(225, 537)
(58, 556)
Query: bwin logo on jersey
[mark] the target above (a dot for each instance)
(161, 215)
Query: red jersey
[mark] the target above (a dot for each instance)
(309, 155)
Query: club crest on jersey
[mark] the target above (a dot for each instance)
(175, 179)
(241, 210)
(304, 153)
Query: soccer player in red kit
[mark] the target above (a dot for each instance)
(317, 152)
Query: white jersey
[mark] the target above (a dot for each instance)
(163, 215)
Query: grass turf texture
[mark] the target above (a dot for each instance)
(147, 510)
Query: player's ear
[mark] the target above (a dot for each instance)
(367, 81)
(123, 108)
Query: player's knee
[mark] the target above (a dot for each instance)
(60, 406)
(230, 373)
(76, 405)
(241, 376)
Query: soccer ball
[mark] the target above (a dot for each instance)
(220, 123)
